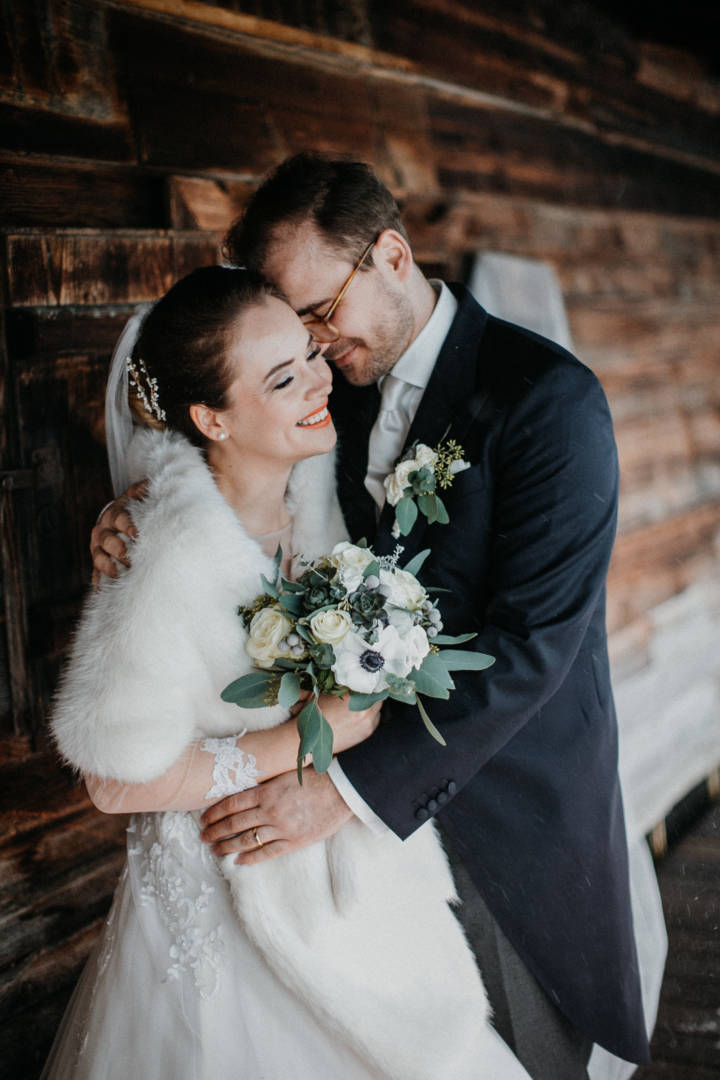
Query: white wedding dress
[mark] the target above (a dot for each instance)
(175, 990)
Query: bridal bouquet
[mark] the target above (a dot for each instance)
(352, 623)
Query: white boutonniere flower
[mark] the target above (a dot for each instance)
(413, 484)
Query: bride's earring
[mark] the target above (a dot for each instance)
(222, 435)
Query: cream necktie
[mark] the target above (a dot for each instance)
(387, 437)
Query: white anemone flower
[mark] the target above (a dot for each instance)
(363, 667)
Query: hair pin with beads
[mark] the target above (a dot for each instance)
(137, 374)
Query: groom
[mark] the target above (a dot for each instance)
(526, 790)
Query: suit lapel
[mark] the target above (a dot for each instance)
(448, 407)
(354, 410)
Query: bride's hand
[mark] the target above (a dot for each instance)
(349, 728)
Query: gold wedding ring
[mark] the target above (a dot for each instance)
(258, 841)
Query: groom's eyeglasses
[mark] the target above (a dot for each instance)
(319, 325)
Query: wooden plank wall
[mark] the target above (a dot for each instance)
(132, 132)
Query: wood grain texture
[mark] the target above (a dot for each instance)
(58, 194)
(93, 268)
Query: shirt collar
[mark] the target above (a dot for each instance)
(416, 364)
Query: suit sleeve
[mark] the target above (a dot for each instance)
(552, 530)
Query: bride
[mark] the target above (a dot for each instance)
(342, 960)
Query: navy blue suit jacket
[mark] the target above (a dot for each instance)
(527, 787)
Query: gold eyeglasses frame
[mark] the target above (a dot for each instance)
(320, 325)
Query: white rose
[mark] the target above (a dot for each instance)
(351, 562)
(416, 645)
(424, 457)
(458, 467)
(330, 627)
(405, 591)
(401, 620)
(268, 628)
(397, 481)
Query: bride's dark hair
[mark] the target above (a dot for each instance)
(183, 346)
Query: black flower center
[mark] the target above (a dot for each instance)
(371, 660)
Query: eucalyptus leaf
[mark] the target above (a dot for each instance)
(448, 639)
(316, 737)
(416, 563)
(322, 655)
(291, 586)
(434, 665)
(291, 602)
(283, 664)
(358, 702)
(432, 678)
(322, 751)
(429, 687)
(308, 725)
(250, 691)
(427, 504)
(429, 724)
(289, 690)
(441, 514)
(406, 513)
(269, 588)
(422, 480)
(304, 633)
(371, 570)
(464, 660)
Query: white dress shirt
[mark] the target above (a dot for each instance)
(413, 369)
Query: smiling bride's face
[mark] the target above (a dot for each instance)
(278, 395)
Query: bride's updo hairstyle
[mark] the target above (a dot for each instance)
(180, 357)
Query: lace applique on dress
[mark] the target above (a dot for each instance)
(168, 846)
(233, 770)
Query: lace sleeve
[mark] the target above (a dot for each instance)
(209, 770)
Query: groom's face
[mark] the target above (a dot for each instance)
(374, 318)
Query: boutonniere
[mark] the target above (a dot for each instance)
(412, 485)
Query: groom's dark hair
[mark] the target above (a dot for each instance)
(344, 198)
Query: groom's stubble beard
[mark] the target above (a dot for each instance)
(389, 336)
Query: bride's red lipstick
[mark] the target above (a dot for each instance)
(307, 421)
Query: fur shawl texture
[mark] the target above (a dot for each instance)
(359, 925)
(157, 645)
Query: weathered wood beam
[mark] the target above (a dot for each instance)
(15, 604)
(59, 194)
(200, 203)
(583, 76)
(56, 88)
(215, 17)
(89, 267)
(567, 126)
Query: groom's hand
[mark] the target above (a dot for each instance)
(106, 545)
(275, 817)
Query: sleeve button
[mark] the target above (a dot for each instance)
(432, 805)
(422, 814)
